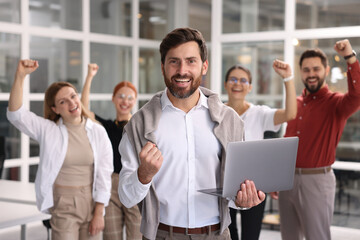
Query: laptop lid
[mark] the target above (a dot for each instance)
(270, 163)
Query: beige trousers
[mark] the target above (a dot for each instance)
(307, 209)
(117, 216)
(71, 214)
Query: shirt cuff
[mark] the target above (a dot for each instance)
(139, 185)
(15, 115)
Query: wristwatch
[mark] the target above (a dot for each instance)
(351, 55)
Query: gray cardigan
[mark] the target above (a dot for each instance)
(140, 129)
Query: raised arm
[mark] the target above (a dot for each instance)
(24, 68)
(92, 71)
(350, 103)
(289, 113)
(343, 48)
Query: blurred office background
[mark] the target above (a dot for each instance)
(123, 37)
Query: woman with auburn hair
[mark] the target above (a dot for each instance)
(117, 216)
(257, 119)
(73, 180)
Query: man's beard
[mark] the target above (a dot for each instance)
(179, 92)
(314, 89)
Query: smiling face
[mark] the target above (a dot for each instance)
(183, 69)
(313, 74)
(68, 105)
(124, 100)
(237, 90)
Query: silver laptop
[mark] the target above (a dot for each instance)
(270, 163)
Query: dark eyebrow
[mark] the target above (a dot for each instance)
(173, 58)
(176, 58)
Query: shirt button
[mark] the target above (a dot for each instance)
(298, 132)
(314, 97)
(304, 104)
(349, 68)
(354, 81)
(300, 117)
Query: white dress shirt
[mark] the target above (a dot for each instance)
(191, 162)
(257, 120)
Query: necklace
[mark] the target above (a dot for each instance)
(119, 124)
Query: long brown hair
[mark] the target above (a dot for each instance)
(49, 101)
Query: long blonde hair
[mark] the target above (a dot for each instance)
(49, 101)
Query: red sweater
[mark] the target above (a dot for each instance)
(321, 119)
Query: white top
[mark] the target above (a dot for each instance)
(53, 141)
(191, 162)
(257, 120)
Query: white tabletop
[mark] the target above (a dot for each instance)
(15, 191)
(14, 214)
(349, 166)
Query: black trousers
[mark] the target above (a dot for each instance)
(251, 221)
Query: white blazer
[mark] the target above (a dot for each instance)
(53, 140)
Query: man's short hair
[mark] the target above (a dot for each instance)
(314, 52)
(183, 35)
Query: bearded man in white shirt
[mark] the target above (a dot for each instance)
(175, 145)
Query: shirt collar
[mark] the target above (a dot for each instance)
(165, 101)
(322, 92)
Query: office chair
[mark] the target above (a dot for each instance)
(47, 224)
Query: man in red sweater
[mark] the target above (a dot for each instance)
(307, 209)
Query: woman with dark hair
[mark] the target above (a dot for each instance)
(117, 216)
(257, 119)
(73, 179)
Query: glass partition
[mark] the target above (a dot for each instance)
(252, 15)
(150, 76)
(115, 64)
(59, 60)
(9, 134)
(200, 17)
(111, 17)
(323, 14)
(154, 18)
(10, 11)
(9, 58)
(66, 14)
(12, 173)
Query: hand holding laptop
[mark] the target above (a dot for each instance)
(269, 163)
(248, 196)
